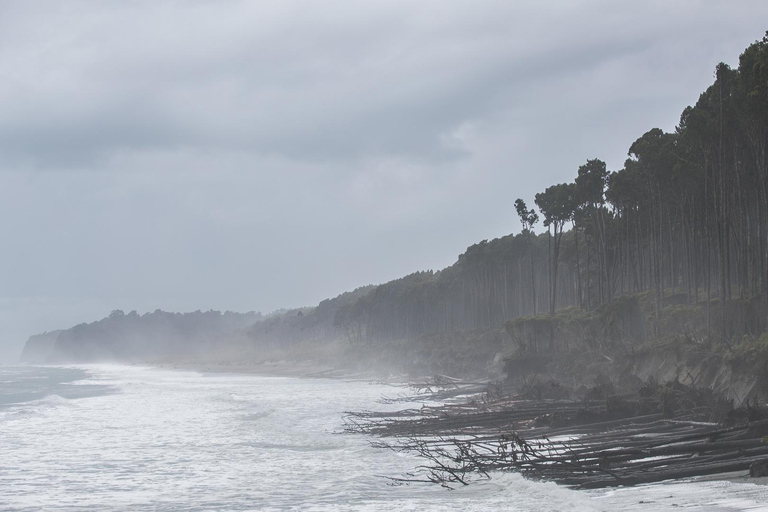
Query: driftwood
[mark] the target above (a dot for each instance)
(465, 439)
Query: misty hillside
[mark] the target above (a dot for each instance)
(681, 231)
(133, 337)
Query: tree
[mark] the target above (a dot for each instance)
(557, 204)
(589, 193)
(528, 218)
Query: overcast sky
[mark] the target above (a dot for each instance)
(253, 155)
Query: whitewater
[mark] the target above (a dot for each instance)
(135, 438)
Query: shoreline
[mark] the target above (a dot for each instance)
(278, 368)
(309, 369)
(289, 369)
(483, 434)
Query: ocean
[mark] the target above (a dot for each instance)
(105, 437)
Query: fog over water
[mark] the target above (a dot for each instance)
(257, 155)
(130, 438)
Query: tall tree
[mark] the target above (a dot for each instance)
(557, 205)
(589, 195)
(528, 218)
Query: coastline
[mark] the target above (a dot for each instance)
(289, 369)
(310, 370)
(278, 368)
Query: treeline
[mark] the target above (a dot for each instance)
(687, 214)
(489, 284)
(313, 324)
(135, 337)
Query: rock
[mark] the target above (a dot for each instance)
(758, 468)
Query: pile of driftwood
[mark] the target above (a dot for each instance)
(580, 443)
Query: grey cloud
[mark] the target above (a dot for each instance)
(280, 81)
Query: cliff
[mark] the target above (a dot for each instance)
(40, 348)
(718, 345)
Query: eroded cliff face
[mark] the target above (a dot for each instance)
(40, 348)
(717, 346)
(665, 364)
(574, 374)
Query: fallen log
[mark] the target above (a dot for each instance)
(597, 449)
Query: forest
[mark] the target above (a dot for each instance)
(687, 216)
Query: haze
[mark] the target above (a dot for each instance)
(258, 155)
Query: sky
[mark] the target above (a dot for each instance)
(242, 155)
